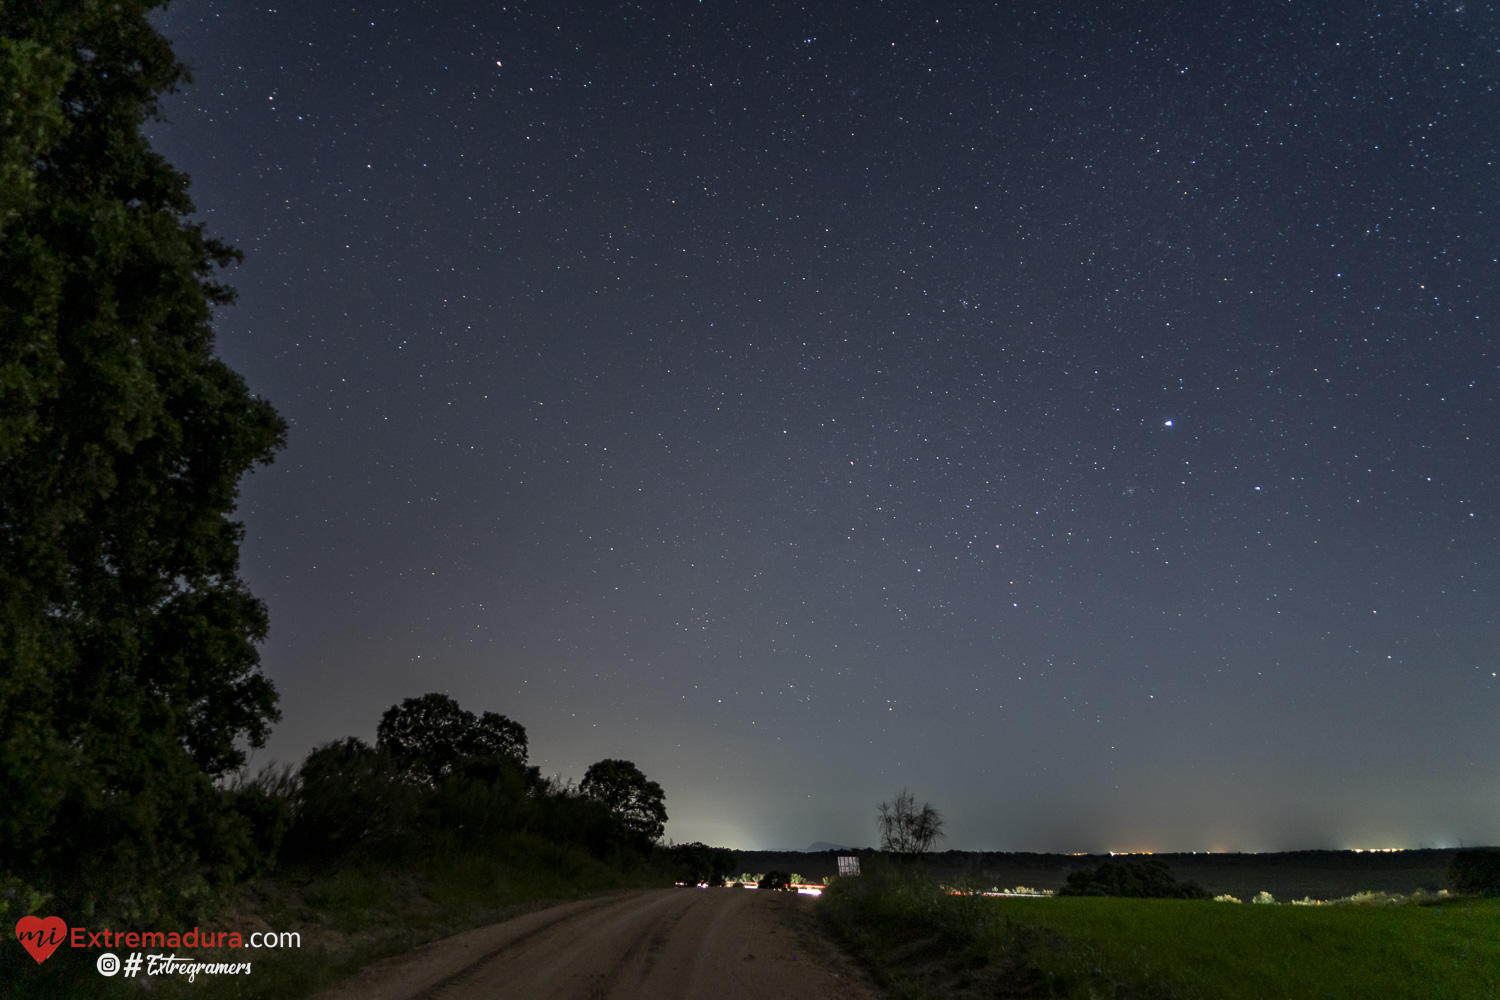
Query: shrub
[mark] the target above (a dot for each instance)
(263, 805)
(352, 796)
(1475, 871)
(564, 816)
(483, 797)
(1373, 898)
(776, 880)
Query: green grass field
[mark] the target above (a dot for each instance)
(1443, 950)
(929, 944)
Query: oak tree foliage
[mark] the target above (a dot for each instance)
(430, 736)
(637, 802)
(129, 674)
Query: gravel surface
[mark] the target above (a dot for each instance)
(655, 944)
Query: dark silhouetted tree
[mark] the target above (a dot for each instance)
(494, 735)
(906, 828)
(775, 880)
(431, 735)
(129, 674)
(639, 804)
(1144, 880)
(700, 863)
(351, 797)
(1475, 871)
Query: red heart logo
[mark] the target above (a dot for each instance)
(41, 937)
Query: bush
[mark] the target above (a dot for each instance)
(1147, 880)
(564, 816)
(263, 805)
(1475, 872)
(352, 797)
(776, 880)
(482, 797)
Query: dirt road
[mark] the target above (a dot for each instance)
(655, 944)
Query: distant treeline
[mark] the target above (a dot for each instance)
(1323, 874)
(440, 779)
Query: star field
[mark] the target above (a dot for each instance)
(1084, 416)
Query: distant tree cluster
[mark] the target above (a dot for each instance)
(439, 772)
(1141, 880)
(1475, 871)
(699, 864)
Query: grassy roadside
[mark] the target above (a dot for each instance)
(351, 915)
(354, 916)
(927, 944)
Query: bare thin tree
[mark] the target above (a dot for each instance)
(907, 829)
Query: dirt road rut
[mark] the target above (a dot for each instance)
(656, 944)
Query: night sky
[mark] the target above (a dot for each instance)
(1085, 416)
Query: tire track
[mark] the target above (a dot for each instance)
(654, 944)
(576, 946)
(437, 988)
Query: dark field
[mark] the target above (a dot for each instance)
(929, 943)
(1288, 875)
